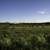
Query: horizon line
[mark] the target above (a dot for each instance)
(24, 22)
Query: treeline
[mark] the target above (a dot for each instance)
(7, 23)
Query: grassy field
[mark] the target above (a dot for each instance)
(25, 36)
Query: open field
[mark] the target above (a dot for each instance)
(25, 36)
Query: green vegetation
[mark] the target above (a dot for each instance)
(25, 36)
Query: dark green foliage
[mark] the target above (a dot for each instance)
(24, 36)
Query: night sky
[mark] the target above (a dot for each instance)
(24, 11)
